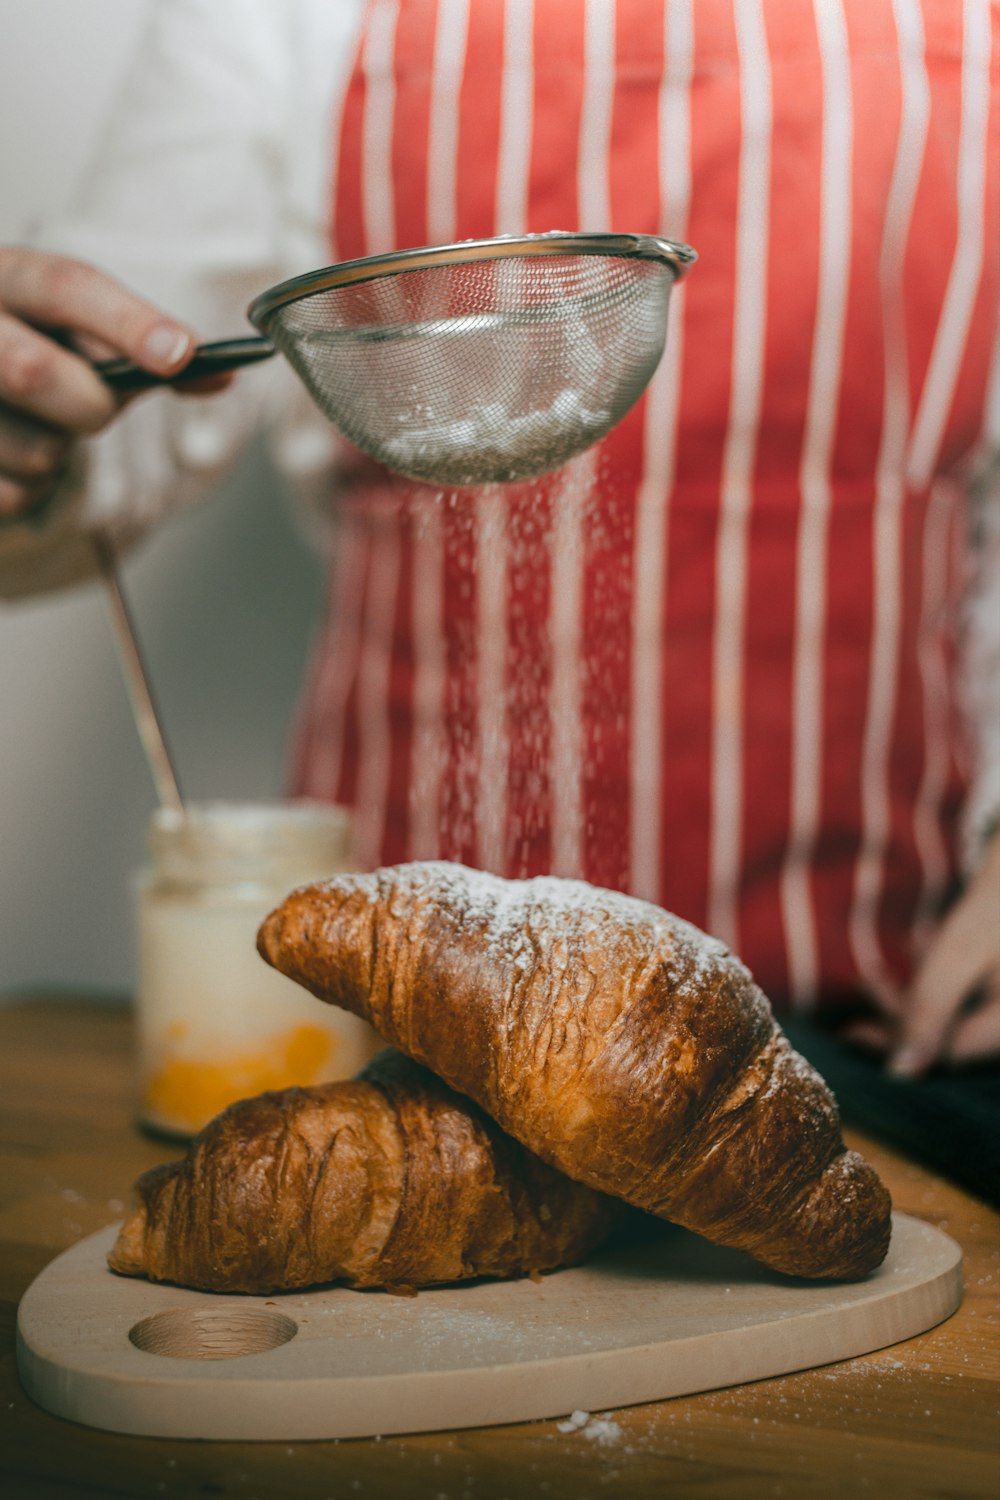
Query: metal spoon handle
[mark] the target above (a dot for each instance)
(136, 679)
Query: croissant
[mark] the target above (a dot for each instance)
(613, 1040)
(387, 1181)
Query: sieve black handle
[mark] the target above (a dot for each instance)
(208, 359)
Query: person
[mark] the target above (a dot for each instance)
(741, 658)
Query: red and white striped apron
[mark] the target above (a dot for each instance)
(712, 661)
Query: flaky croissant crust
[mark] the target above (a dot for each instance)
(388, 1181)
(613, 1040)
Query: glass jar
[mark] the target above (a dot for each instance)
(215, 1023)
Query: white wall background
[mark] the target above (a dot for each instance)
(224, 597)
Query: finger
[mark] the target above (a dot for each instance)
(915, 1054)
(19, 498)
(960, 958)
(922, 1036)
(30, 450)
(52, 291)
(40, 379)
(872, 1036)
(977, 1035)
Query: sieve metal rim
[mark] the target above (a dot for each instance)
(677, 256)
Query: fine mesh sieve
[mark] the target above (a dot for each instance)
(482, 362)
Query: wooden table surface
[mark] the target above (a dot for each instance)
(917, 1420)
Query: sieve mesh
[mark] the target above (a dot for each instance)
(480, 370)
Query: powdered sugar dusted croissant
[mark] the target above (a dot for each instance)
(614, 1040)
(391, 1180)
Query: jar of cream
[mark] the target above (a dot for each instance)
(215, 1023)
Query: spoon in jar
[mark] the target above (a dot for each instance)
(136, 677)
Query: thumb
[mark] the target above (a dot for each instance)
(55, 292)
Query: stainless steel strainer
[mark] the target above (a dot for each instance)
(482, 362)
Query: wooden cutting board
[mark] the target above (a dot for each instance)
(663, 1318)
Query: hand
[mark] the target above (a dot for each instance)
(963, 958)
(49, 395)
(935, 1021)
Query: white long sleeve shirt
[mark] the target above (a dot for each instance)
(209, 185)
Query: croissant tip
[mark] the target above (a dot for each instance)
(268, 935)
(127, 1255)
